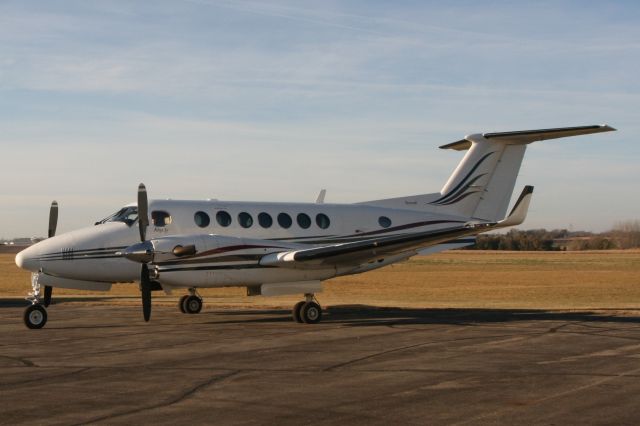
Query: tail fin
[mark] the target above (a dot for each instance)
(482, 184)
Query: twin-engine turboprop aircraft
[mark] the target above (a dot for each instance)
(282, 248)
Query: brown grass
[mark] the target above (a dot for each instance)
(458, 279)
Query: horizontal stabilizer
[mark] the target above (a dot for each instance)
(528, 136)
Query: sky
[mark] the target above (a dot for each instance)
(272, 101)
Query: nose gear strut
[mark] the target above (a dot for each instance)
(35, 316)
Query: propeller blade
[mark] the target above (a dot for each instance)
(53, 219)
(180, 251)
(145, 289)
(53, 224)
(48, 290)
(143, 211)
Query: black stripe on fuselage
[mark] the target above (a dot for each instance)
(106, 256)
(221, 259)
(217, 267)
(90, 252)
(207, 264)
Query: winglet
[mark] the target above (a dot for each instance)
(519, 212)
(320, 199)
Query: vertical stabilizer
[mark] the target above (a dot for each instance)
(481, 186)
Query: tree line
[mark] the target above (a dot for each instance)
(624, 235)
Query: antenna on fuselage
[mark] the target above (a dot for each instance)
(320, 199)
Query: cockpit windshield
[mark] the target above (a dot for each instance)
(128, 215)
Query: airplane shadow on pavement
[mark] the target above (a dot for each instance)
(363, 315)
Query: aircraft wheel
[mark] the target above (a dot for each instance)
(35, 316)
(192, 304)
(181, 303)
(311, 313)
(296, 312)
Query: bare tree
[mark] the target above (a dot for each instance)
(627, 234)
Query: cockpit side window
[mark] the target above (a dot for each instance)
(128, 215)
(160, 218)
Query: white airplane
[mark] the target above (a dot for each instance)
(282, 248)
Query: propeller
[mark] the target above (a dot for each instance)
(53, 224)
(144, 252)
(145, 280)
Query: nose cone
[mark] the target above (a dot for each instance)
(28, 259)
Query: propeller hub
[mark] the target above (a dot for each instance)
(140, 252)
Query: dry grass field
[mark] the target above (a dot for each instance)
(456, 279)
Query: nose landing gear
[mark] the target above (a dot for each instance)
(35, 316)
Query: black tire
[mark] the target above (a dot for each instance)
(295, 313)
(311, 313)
(181, 303)
(192, 304)
(35, 316)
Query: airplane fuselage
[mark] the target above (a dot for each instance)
(95, 253)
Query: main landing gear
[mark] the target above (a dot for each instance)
(308, 311)
(190, 303)
(35, 316)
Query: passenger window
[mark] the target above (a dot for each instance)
(284, 220)
(245, 220)
(202, 219)
(322, 220)
(304, 221)
(160, 218)
(223, 218)
(264, 219)
(384, 221)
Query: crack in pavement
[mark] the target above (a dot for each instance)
(431, 342)
(40, 379)
(496, 414)
(25, 361)
(171, 401)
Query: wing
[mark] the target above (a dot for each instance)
(359, 252)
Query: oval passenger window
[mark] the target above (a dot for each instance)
(245, 220)
(284, 220)
(223, 218)
(322, 220)
(264, 219)
(201, 219)
(304, 220)
(384, 221)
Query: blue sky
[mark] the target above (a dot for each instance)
(276, 100)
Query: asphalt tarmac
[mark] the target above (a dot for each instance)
(102, 364)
